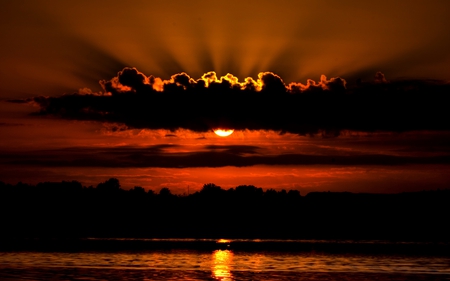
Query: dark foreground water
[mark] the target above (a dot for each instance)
(252, 260)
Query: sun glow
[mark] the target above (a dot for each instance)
(223, 132)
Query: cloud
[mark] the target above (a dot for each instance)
(132, 80)
(334, 84)
(267, 103)
(19, 100)
(380, 78)
(7, 124)
(173, 156)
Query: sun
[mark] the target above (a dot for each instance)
(223, 132)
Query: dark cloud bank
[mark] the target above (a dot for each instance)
(235, 155)
(329, 106)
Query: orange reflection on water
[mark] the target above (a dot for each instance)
(221, 266)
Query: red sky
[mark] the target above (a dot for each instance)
(53, 48)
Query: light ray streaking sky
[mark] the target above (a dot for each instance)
(74, 45)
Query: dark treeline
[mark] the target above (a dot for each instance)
(68, 209)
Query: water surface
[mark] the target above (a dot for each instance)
(219, 264)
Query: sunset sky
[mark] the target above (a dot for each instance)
(342, 95)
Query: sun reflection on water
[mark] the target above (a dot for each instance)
(221, 267)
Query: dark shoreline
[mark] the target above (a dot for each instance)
(69, 211)
(288, 246)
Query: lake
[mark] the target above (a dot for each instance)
(190, 259)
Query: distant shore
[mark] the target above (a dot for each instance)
(240, 245)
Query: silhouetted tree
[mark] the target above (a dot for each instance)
(138, 190)
(282, 192)
(110, 185)
(270, 193)
(293, 193)
(211, 189)
(165, 192)
(249, 191)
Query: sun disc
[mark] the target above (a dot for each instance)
(223, 132)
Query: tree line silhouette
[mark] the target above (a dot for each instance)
(69, 209)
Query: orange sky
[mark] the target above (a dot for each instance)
(30, 138)
(51, 48)
(54, 47)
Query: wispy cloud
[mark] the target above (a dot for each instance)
(174, 156)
